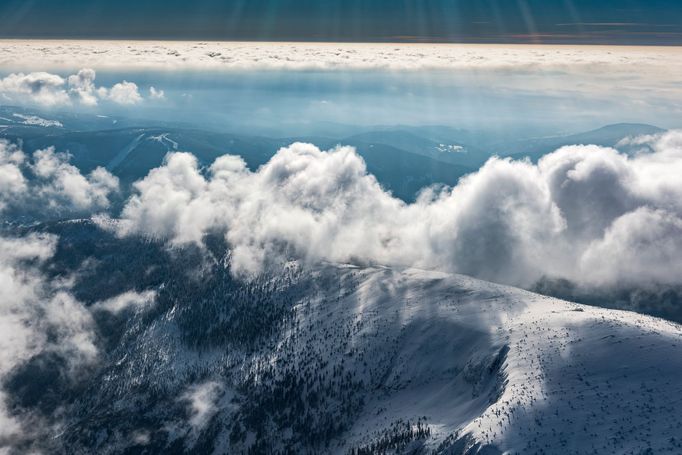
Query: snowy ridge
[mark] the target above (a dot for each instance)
(575, 379)
(351, 359)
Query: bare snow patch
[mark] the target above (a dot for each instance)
(34, 120)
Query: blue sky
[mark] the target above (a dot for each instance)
(504, 21)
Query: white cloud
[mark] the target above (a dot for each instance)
(48, 89)
(39, 315)
(49, 182)
(585, 213)
(201, 400)
(129, 299)
(176, 191)
(597, 74)
(122, 93)
(156, 94)
(82, 86)
(31, 307)
(330, 56)
(62, 182)
(40, 87)
(641, 245)
(12, 180)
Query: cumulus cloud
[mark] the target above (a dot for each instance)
(40, 87)
(82, 86)
(62, 183)
(48, 89)
(48, 182)
(643, 244)
(585, 213)
(122, 93)
(37, 315)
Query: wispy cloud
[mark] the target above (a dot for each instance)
(127, 300)
(37, 315)
(201, 400)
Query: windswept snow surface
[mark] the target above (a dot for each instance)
(515, 371)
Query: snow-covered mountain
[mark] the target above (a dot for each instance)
(344, 359)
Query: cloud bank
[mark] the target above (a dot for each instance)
(596, 75)
(585, 213)
(50, 90)
(102, 54)
(47, 182)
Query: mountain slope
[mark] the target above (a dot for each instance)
(347, 359)
(452, 152)
(557, 376)
(131, 153)
(607, 136)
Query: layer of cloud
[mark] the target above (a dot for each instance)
(46, 181)
(102, 54)
(585, 213)
(596, 75)
(48, 89)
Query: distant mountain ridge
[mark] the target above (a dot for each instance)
(453, 152)
(606, 136)
(405, 159)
